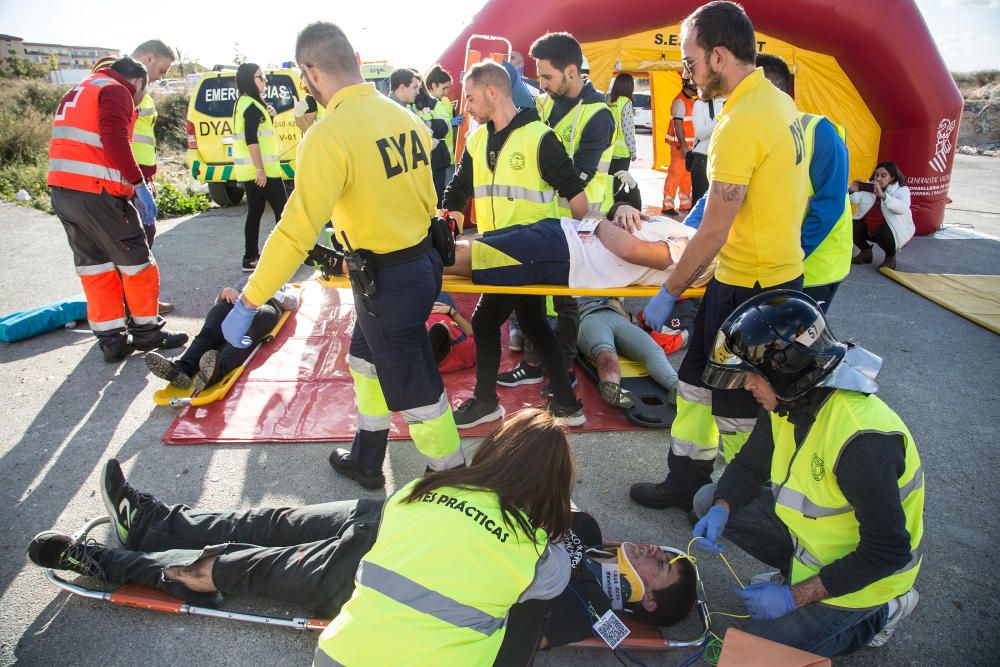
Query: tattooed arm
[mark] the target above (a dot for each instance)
(724, 200)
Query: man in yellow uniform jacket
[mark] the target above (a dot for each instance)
(366, 166)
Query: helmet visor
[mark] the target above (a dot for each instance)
(725, 370)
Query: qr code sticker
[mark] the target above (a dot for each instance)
(611, 629)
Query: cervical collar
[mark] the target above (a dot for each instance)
(620, 581)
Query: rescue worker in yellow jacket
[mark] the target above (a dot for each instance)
(580, 117)
(514, 166)
(492, 523)
(366, 165)
(843, 518)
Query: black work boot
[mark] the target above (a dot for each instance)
(341, 461)
(159, 339)
(685, 477)
(863, 257)
(167, 370)
(58, 551)
(115, 347)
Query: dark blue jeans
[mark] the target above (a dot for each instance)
(817, 628)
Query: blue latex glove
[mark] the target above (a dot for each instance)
(236, 325)
(457, 120)
(766, 600)
(658, 310)
(145, 204)
(710, 528)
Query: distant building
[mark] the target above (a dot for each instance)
(63, 56)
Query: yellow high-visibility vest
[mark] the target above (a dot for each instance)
(809, 501)
(244, 169)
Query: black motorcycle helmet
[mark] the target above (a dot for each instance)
(781, 335)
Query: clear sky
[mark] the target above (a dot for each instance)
(410, 33)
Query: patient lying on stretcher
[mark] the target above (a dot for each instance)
(593, 253)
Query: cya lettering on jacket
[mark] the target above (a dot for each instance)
(397, 157)
(495, 528)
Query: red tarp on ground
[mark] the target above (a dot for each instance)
(298, 388)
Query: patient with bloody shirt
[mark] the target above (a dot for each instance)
(451, 336)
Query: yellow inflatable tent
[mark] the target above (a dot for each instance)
(820, 87)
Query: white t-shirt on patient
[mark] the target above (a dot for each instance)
(591, 265)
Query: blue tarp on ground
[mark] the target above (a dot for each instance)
(42, 319)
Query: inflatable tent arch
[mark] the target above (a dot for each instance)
(872, 67)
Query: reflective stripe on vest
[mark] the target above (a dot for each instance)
(420, 598)
(77, 160)
(444, 111)
(244, 168)
(621, 146)
(687, 124)
(569, 129)
(143, 137)
(830, 261)
(437, 585)
(514, 192)
(810, 503)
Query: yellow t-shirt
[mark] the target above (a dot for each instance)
(759, 143)
(366, 166)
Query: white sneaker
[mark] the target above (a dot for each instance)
(899, 608)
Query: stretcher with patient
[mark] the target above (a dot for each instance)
(177, 397)
(641, 636)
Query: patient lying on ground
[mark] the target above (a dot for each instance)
(575, 253)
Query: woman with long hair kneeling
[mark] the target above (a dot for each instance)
(456, 549)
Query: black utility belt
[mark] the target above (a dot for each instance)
(395, 257)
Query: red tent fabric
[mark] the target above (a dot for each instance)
(884, 47)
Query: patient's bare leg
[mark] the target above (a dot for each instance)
(608, 369)
(610, 375)
(196, 577)
(463, 260)
(652, 254)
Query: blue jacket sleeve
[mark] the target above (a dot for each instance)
(693, 219)
(828, 174)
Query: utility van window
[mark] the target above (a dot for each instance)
(217, 96)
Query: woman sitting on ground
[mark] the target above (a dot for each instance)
(209, 357)
(890, 224)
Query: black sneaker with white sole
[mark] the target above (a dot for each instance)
(167, 370)
(549, 393)
(476, 411)
(58, 551)
(568, 415)
(121, 501)
(521, 374)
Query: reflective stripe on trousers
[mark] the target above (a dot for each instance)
(373, 414)
(694, 433)
(432, 427)
(734, 432)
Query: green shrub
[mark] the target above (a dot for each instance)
(171, 121)
(41, 96)
(29, 177)
(24, 135)
(172, 202)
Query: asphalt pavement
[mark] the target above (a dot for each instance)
(66, 412)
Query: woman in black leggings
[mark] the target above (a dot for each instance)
(264, 185)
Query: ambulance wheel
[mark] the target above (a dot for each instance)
(225, 194)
